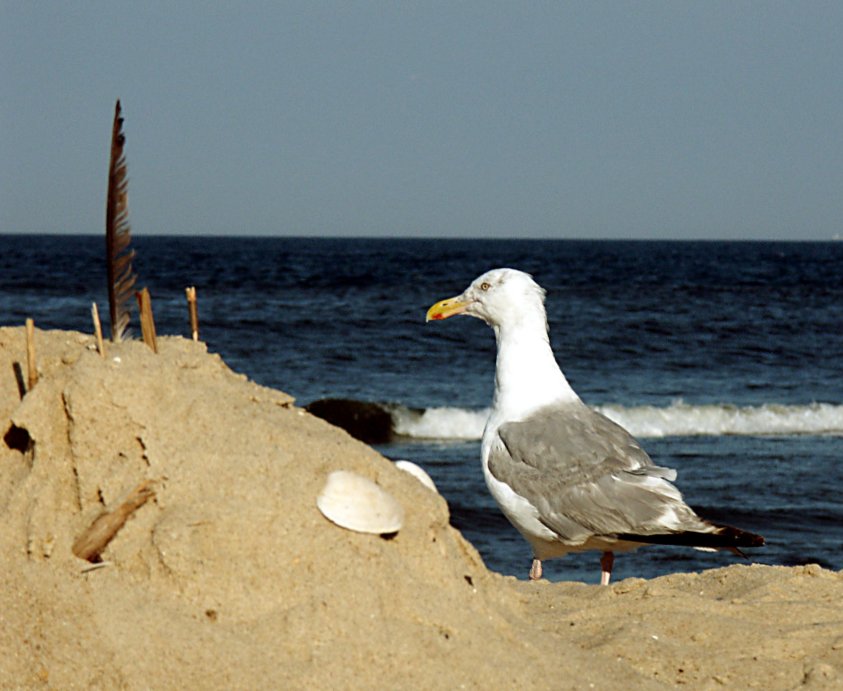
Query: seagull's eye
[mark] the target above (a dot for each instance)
(484, 286)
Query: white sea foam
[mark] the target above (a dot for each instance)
(680, 419)
(439, 423)
(677, 419)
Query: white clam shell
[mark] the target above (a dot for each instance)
(356, 503)
(417, 472)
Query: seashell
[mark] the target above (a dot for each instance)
(417, 472)
(356, 503)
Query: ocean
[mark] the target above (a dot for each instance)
(725, 359)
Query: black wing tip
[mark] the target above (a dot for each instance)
(737, 537)
(722, 537)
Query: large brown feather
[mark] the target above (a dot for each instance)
(121, 277)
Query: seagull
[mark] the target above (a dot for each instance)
(568, 478)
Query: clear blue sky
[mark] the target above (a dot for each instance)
(482, 119)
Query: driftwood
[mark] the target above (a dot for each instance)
(95, 315)
(31, 368)
(193, 312)
(90, 544)
(146, 319)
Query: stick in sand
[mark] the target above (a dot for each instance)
(90, 544)
(31, 369)
(147, 322)
(194, 312)
(95, 314)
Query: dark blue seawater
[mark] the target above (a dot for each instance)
(725, 359)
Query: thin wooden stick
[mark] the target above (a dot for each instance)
(90, 544)
(95, 314)
(31, 368)
(147, 322)
(193, 311)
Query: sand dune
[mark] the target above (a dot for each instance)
(229, 577)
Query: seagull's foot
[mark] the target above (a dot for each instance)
(606, 563)
(536, 570)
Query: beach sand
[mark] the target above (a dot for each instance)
(229, 577)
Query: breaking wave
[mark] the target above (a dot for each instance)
(677, 419)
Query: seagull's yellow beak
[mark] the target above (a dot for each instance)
(447, 308)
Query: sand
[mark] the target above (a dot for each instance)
(229, 577)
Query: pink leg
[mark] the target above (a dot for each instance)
(536, 570)
(606, 562)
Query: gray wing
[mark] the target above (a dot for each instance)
(587, 476)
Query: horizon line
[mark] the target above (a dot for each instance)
(834, 238)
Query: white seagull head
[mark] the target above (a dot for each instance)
(499, 297)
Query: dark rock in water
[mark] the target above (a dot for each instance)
(369, 422)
